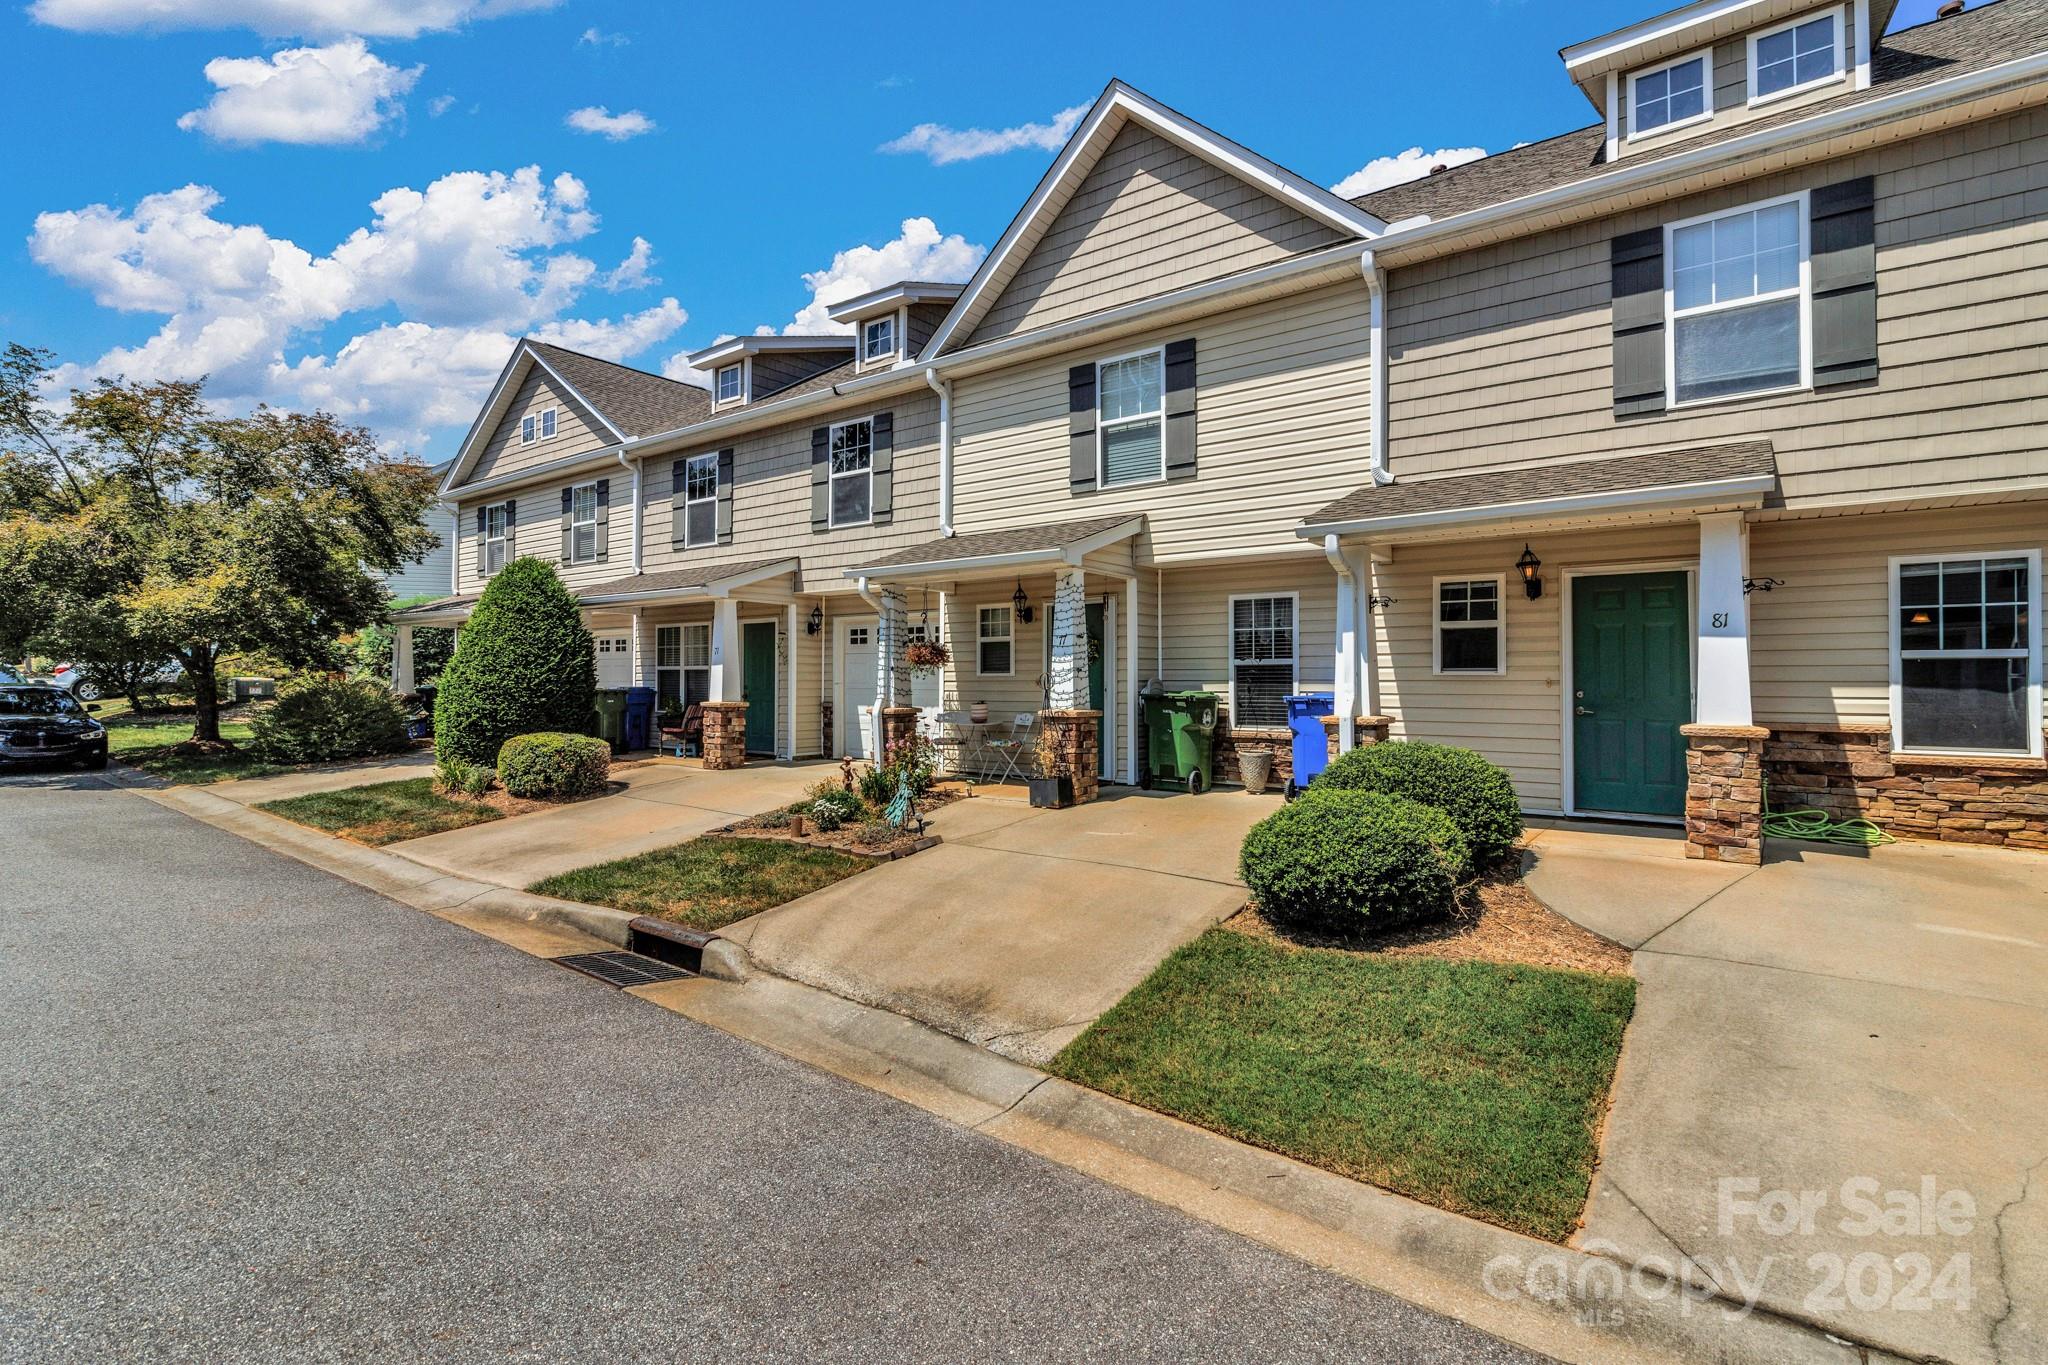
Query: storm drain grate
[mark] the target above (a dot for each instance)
(622, 969)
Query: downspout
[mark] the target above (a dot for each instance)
(454, 511)
(1347, 646)
(887, 679)
(634, 465)
(1376, 404)
(944, 389)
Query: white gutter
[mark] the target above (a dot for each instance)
(1347, 646)
(1376, 401)
(634, 465)
(1670, 495)
(944, 389)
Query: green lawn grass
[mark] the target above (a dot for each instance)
(706, 883)
(384, 812)
(1473, 1086)
(145, 741)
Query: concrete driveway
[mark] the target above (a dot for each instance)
(1835, 1016)
(1025, 925)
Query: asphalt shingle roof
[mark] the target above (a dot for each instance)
(1663, 469)
(1020, 540)
(1970, 41)
(690, 576)
(636, 402)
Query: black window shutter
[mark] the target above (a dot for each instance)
(567, 545)
(1180, 409)
(1637, 265)
(725, 496)
(678, 477)
(482, 515)
(1844, 265)
(1081, 429)
(604, 519)
(882, 451)
(821, 478)
(511, 524)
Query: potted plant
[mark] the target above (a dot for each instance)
(1255, 766)
(927, 656)
(1051, 788)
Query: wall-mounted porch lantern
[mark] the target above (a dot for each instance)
(815, 622)
(1527, 566)
(1022, 604)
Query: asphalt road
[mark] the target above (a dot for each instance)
(252, 1112)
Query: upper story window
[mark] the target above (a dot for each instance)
(495, 522)
(1966, 653)
(1468, 625)
(1670, 96)
(700, 500)
(729, 378)
(583, 523)
(878, 338)
(536, 426)
(1798, 56)
(853, 475)
(1736, 303)
(1131, 398)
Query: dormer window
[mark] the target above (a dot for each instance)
(1670, 96)
(536, 426)
(728, 383)
(1795, 57)
(878, 338)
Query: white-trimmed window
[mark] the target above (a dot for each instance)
(682, 663)
(1471, 633)
(878, 338)
(1672, 95)
(853, 472)
(1130, 396)
(1966, 653)
(994, 645)
(1262, 660)
(495, 521)
(1737, 304)
(583, 523)
(1796, 56)
(536, 426)
(728, 382)
(700, 500)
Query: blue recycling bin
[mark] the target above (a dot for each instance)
(1305, 712)
(639, 718)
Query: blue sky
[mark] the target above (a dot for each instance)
(325, 202)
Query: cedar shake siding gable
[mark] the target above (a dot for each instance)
(1148, 218)
(577, 429)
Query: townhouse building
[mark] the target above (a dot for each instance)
(1692, 453)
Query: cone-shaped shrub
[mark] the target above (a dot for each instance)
(1476, 795)
(524, 664)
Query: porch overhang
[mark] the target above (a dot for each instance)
(442, 611)
(1702, 478)
(703, 583)
(1058, 543)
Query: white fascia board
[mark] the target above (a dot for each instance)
(1120, 100)
(893, 296)
(1078, 550)
(1631, 499)
(488, 418)
(732, 348)
(741, 580)
(970, 564)
(600, 458)
(1609, 49)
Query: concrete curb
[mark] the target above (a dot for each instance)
(1561, 1301)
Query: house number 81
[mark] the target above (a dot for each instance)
(1720, 620)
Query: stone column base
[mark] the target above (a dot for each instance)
(725, 734)
(1076, 738)
(1724, 792)
(899, 726)
(1371, 730)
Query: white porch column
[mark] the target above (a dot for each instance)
(1347, 660)
(643, 671)
(1371, 574)
(1067, 684)
(1723, 620)
(401, 660)
(786, 675)
(892, 679)
(725, 642)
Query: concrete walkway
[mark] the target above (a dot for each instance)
(1025, 925)
(1837, 1015)
(251, 791)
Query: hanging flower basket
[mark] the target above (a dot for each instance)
(927, 656)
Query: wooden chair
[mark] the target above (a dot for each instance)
(690, 730)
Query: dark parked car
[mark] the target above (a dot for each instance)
(42, 724)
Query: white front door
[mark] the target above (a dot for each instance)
(854, 716)
(614, 660)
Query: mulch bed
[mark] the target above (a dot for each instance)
(846, 839)
(1497, 920)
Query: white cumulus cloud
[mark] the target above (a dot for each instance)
(440, 105)
(918, 252)
(596, 118)
(597, 37)
(276, 18)
(335, 94)
(1383, 172)
(636, 271)
(945, 145)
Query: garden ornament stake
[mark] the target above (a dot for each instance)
(901, 804)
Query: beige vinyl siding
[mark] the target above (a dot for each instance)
(1281, 421)
(1821, 644)
(798, 652)
(771, 509)
(1196, 620)
(1503, 355)
(537, 532)
(1730, 81)
(576, 430)
(1149, 217)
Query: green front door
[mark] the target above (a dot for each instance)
(757, 684)
(1095, 656)
(1631, 690)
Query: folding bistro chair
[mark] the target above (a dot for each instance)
(1009, 751)
(953, 737)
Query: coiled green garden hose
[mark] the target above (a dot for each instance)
(1818, 827)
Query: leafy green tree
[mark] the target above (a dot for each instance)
(158, 523)
(525, 664)
(432, 647)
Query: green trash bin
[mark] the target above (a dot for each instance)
(611, 718)
(1180, 739)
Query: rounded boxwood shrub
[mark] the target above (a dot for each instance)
(525, 665)
(554, 767)
(323, 720)
(1474, 793)
(1352, 862)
